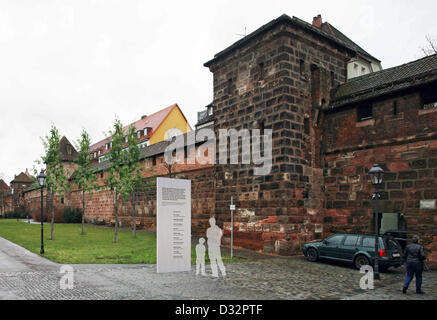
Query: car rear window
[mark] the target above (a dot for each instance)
(393, 245)
(369, 242)
(351, 241)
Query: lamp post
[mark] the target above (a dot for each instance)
(376, 175)
(41, 178)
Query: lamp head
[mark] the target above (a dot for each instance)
(376, 174)
(41, 178)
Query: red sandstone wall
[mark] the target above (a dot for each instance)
(404, 145)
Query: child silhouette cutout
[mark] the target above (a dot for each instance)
(200, 257)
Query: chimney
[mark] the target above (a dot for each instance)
(143, 117)
(317, 21)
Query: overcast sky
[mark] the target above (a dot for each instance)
(79, 63)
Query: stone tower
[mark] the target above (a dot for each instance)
(278, 78)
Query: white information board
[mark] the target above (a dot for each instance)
(173, 226)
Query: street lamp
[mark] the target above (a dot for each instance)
(376, 175)
(41, 178)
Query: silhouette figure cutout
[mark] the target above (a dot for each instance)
(214, 235)
(200, 257)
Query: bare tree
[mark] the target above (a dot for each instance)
(431, 46)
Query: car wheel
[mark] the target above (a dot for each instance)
(312, 255)
(361, 261)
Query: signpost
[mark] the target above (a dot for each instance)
(232, 207)
(173, 225)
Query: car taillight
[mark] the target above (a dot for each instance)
(382, 253)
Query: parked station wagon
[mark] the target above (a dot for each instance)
(358, 249)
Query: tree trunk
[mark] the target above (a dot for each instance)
(116, 218)
(83, 212)
(134, 230)
(53, 217)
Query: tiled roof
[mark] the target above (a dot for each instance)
(3, 186)
(153, 121)
(22, 177)
(152, 150)
(329, 28)
(328, 32)
(67, 150)
(207, 119)
(408, 75)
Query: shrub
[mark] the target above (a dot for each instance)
(16, 214)
(72, 215)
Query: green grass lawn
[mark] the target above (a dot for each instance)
(96, 246)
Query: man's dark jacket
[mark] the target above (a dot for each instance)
(414, 253)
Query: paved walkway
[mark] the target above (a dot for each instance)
(24, 275)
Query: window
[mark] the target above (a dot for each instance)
(261, 71)
(154, 161)
(429, 101)
(335, 239)
(332, 79)
(365, 113)
(301, 67)
(306, 125)
(229, 87)
(369, 242)
(351, 241)
(363, 70)
(395, 108)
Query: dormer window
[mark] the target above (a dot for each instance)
(429, 101)
(365, 113)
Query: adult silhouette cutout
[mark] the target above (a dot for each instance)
(214, 235)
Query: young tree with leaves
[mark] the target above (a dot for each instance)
(84, 176)
(116, 177)
(57, 180)
(134, 177)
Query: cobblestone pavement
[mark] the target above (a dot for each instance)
(271, 278)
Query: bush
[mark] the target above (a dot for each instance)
(16, 214)
(72, 215)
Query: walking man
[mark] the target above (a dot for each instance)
(414, 258)
(214, 235)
